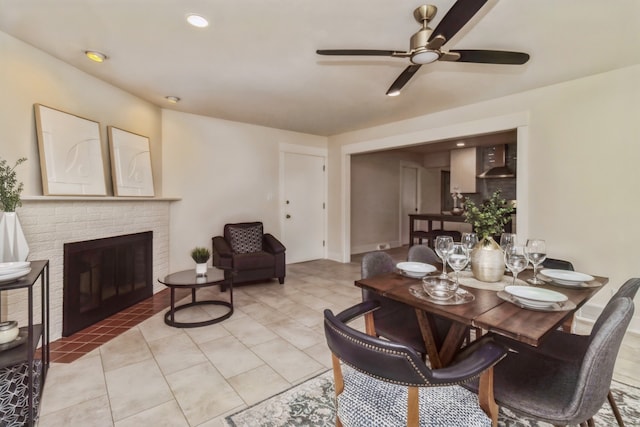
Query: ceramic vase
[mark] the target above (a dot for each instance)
(13, 244)
(487, 261)
(201, 269)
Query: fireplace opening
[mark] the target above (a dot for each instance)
(103, 277)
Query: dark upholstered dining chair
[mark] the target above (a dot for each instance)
(387, 383)
(247, 254)
(422, 253)
(393, 320)
(560, 390)
(572, 347)
(557, 264)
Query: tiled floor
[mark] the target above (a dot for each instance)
(68, 349)
(156, 375)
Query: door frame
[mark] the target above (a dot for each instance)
(309, 151)
(518, 121)
(418, 168)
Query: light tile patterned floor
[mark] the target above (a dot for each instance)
(156, 375)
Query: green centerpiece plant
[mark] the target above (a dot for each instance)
(488, 220)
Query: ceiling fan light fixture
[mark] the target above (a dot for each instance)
(95, 56)
(425, 57)
(198, 21)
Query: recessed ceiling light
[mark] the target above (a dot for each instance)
(459, 144)
(172, 99)
(197, 20)
(96, 56)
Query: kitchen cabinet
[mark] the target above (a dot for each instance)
(23, 375)
(463, 170)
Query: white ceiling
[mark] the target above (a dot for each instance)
(256, 62)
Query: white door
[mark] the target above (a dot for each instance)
(304, 207)
(408, 201)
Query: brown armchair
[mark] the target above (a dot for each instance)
(247, 254)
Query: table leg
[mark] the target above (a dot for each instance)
(440, 356)
(411, 229)
(452, 342)
(428, 328)
(173, 304)
(486, 397)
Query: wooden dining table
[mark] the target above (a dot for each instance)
(487, 312)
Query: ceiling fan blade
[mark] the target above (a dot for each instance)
(487, 56)
(459, 14)
(402, 79)
(359, 52)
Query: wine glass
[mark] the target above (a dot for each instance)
(458, 259)
(515, 258)
(444, 245)
(536, 253)
(470, 240)
(507, 239)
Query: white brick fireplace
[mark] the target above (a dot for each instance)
(50, 222)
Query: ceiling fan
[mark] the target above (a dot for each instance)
(426, 44)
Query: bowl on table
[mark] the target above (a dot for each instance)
(8, 331)
(438, 288)
(415, 269)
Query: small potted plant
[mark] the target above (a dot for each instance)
(488, 220)
(10, 188)
(14, 242)
(201, 256)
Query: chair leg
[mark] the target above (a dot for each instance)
(614, 408)
(281, 280)
(413, 410)
(338, 381)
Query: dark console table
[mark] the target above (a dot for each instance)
(17, 360)
(430, 233)
(188, 279)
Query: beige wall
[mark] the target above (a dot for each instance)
(577, 163)
(375, 199)
(29, 76)
(224, 172)
(577, 166)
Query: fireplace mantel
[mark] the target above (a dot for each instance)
(51, 221)
(97, 199)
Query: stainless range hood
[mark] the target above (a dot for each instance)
(496, 159)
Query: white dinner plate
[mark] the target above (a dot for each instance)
(566, 277)
(14, 276)
(535, 297)
(415, 269)
(561, 306)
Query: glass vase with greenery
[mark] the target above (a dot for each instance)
(489, 218)
(10, 188)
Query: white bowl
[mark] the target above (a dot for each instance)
(440, 289)
(415, 269)
(8, 331)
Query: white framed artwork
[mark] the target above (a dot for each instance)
(70, 153)
(130, 163)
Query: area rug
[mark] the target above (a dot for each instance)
(312, 404)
